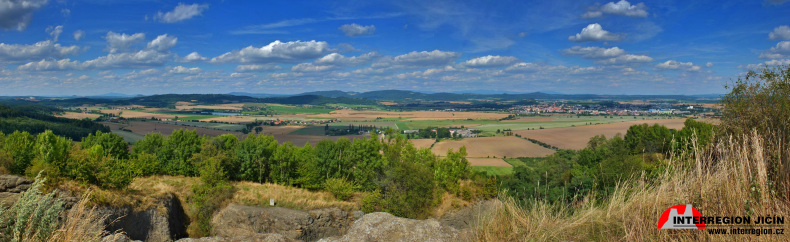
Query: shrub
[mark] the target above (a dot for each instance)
(372, 202)
(760, 101)
(339, 187)
(34, 217)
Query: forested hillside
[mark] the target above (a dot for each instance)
(35, 119)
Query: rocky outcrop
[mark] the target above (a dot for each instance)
(269, 237)
(239, 220)
(117, 237)
(386, 227)
(11, 188)
(167, 223)
(470, 216)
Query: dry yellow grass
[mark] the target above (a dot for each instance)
(73, 115)
(735, 183)
(256, 194)
(508, 146)
(577, 137)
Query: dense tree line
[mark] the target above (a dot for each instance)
(403, 180)
(569, 175)
(34, 120)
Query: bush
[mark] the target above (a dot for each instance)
(339, 187)
(34, 217)
(760, 101)
(372, 202)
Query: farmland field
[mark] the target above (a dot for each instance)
(413, 115)
(488, 162)
(493, 147)
(73, 115)
(422, 143)
(577, 137)
(494, 170)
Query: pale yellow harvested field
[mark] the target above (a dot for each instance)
(73, 115)
(232, 106)
(111, 111)
(388, 103)
(500, 147)
(137, 114)
(253, 118)
(415, 115)
(577, 137)
(488, 162)
(422, 143)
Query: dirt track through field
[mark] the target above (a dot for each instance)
(577, 137)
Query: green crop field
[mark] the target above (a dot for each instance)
(494, 170)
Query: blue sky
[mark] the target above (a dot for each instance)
(59, 47)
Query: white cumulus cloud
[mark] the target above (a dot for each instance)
(426, 58)
(185, 70)
(18, 13)
(780, 33)
(623, 8)
(275, 52)
(333, 61)
(120, 42)
(163, 43)
(490, 61)
(157, 54)
(676, 65)
(257, 68)
(182, 12)
(78, 35)
(55, 32)
(352, 30)
(594, 32)
(781, 50)
(610, 56)
(193, 57)
(15, 53)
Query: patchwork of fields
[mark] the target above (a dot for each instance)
(486, 152)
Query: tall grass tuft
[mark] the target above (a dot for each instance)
(731, 181)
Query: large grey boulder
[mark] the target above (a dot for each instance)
(11, 189)
(269, 237)
(386, 227)
(239, 220)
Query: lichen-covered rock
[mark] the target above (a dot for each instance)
(235, 220)
(117, 237)
(14, 184)
(269, 237)
(386, 227)
(11, 188)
